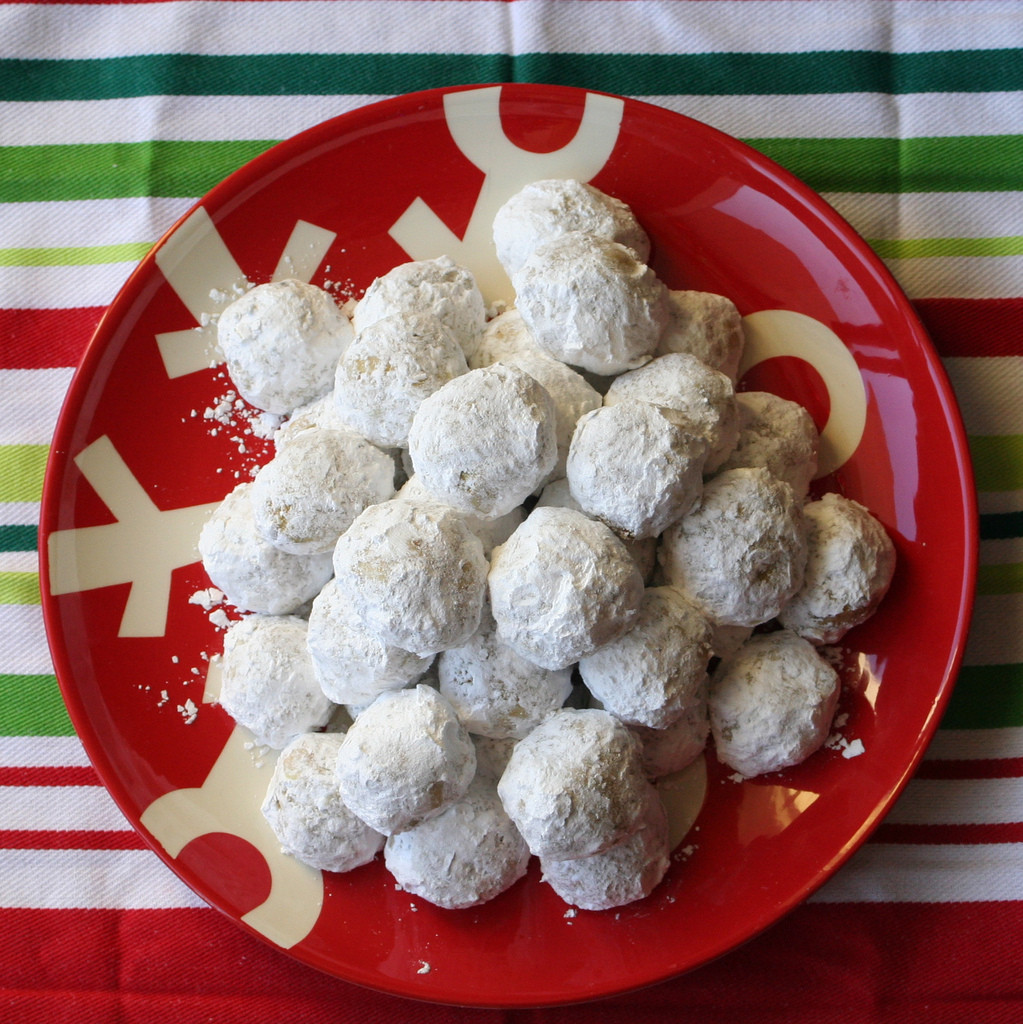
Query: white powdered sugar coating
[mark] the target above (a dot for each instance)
(504, 337)
(415, 574)
(849, 567)
(741, 555)
(404, 759)
(465, 856)
(320, 412)
(439, 286)
(254, 575)
(494, 691)
(485, 441)
(574, 786)
(590, 303)
(668, 750)
(707, 326)
(771, 703)
(652, 674)
(636, 467)
(389, 369)
(704, 396)
(544, 210)
(353, 666)
(304, 808)
(281, 341)
(777, 434)
(626, 872)
(310, 492)
(562, 586)
(492, 755)
(268, 683)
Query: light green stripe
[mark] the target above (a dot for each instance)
(22, 467)
(914, 248)
(1005, 578)
(74, 256)
(31, 705)
(997, 461)
(19, 588)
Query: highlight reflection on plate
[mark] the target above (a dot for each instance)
(148, 443)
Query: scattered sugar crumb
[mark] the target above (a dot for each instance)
(571, 912)
(737, 777)
(424, 967)
(220, 619)
(163, 698)
(854, 748)
(188, 711)
(207, 599)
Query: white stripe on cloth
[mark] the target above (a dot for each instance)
(975, 744)
(989, 642)
(32, 401)
(90, 880)
(906, 873)
(961, 277)
(62, 287)
(25, 648)
(997, 502)
(959, 802)
(19, 513)
(527, 26)
(42, 752)
(988, 391)
(1002, 551)
(61, 809)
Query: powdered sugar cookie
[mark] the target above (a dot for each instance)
(707, 326)
(304, 807)
(404, 758)
(771, 703)
(281, 341)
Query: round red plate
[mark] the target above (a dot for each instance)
(143, 450)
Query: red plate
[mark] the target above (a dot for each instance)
(138, 460)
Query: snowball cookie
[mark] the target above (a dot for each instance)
(572, 394)
(492, 756)
(707, 326)
(636, 467)
(849, 567)
(741, 555)
(574, 786)
(304, 808)
(669, 750)
(589, 302)
(562, 586)
(485, 441)
(503, 337)
(320, 412)
(771, 703)
(465, 856)
(268, 682)
(310, 492)
(705, 397)
(415, 575)
(643, 550)
(353, 666)
(439, 286)
(779, 435)
(254, 575)
(494, 691)
(623, 874)
(387, 371)
(652, 674)
(281, 341)
(403, 759)
(546, 209)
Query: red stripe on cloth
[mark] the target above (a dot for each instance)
(973, 327)
(980, 768)
(949, 835)
(39, 339)
(49, 775)
(72, 839)
(854, 963)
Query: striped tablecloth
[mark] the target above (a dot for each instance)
(908, 117)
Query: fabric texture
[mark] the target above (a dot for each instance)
(907, 117)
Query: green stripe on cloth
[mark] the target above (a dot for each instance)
(22, 467)
(187, 169)
(32, 706)
(1001, 525)
(74, 256)
(833, 71)
(986, 697)
(18, 538)
(1003, 578)
(19, 588)
(997, 461)
(172, 169)
(915, 248)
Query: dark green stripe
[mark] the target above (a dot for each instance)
(32, 706)
(632, 74)
(986, 697)
(18, 538)
(117, 170)
(189, 169)
(1001, 525)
